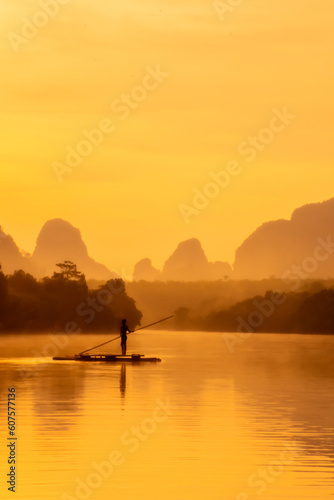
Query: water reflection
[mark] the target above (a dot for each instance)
(122, 381)
(231, 415)
(284, 386)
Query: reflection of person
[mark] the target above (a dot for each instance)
(124, 331)
(122, 382)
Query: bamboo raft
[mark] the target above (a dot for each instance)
(112, 358)
(108, 358)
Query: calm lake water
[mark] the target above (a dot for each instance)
(204, 423)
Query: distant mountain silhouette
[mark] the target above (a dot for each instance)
(276, 246)
(57, 241)
(306, 242)
(187, 263)
(11, 258)
(145, 271)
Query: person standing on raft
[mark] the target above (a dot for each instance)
(124, 331)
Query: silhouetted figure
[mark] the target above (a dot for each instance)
(124, 331)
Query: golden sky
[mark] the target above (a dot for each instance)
(224, 77)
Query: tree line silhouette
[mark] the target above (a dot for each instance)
(49, 304)
(303, 312)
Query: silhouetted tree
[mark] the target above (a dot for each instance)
(182, 320)
(317, 313)
(63, 293)
(3, 285)
(68, 271)
(3, 295)
(112, 305)
(28, 304)
(23, 282)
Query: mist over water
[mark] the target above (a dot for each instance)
(203, 423)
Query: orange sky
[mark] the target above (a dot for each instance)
(225, 78)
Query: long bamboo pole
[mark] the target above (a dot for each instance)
(119, 336)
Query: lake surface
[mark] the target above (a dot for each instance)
(204, 423)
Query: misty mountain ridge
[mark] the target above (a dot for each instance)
(187, 263)
(299, 248)
(296, 248)
(57, 241)
(11, 257)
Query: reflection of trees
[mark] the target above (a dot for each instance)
(58, 389)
